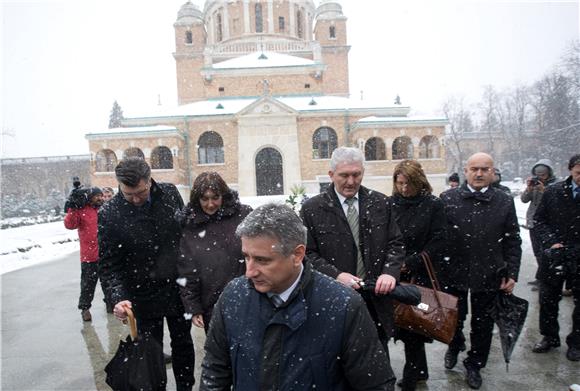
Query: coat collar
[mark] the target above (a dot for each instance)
(484, 197)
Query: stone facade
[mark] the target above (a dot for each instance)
(264, 103)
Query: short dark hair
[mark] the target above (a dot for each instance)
(574, 161)
(132, 170)
(209, 180)
(277, 221)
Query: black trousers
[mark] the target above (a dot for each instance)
(481, 326)
(182, 353)
(415, 358)
(550, 296)
(89, 279)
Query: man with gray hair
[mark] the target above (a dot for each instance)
(353, 236)
(285, 326)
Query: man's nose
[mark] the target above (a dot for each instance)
(251, 270)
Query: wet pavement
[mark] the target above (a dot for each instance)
(46, 346)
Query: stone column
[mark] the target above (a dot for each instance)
(292, 21)
(226, 22)
(247, 17)
(270, 16)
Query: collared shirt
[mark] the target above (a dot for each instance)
(344, 205)
(286, 294)
(471, 189)
(574, 192)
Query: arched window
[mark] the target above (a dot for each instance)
(324, 141)
(332, 32)
(133, 152)
(259, 19)
(188, 37)
(210, 148)
(105, 161)
(219, 28)
(375, 149)
(429, 147)
(402, 148)
(161, 158)
(299, 24)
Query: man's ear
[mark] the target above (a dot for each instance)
(299, 253)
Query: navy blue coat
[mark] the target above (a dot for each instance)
(323, 337)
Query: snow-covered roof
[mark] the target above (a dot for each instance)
(414, 119)
(135, 129)
(263, 60)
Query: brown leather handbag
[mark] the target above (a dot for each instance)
(436, 316)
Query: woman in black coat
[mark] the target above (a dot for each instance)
(421, 219)
(210, 253)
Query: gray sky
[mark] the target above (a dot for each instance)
(64, 62)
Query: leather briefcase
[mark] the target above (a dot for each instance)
(436, 316)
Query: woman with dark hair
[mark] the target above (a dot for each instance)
(210, 253)
(421, 219)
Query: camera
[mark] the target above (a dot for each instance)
(534, 181)
(78, 197)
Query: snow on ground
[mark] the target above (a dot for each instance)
(30, 245)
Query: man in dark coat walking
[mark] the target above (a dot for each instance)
(138, 249)
(485, 258)
(557, 222)
(353, 236)
(285, 326)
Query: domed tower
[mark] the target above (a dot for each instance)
(190, 42)
(330, 32)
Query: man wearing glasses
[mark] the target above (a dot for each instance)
(485, 253)
(138, 250)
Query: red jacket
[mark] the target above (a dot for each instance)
(85, 220)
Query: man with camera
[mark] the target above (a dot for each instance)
(557, 222)
(542, 176)
(81, 214)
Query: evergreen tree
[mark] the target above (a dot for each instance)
(116, 116)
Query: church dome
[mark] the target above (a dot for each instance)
(189, 13)
(329, 9)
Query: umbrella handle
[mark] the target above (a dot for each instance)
(132, 323)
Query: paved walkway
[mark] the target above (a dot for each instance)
(46, 346)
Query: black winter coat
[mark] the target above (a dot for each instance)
(332, 249)
(421, 220)
(484, 239)
(138, 250)
(210, 253)
(322, 337)
(557, 220)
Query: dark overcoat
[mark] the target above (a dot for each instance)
(138, 250)
(332, 249)
(557, 220)
(421, 220)
(210, 253)
(484, 239)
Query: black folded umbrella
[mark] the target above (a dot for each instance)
(138, 363)
(406, 294)
(509, 313)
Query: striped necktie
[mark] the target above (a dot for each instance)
(352, 218)
(277, 300)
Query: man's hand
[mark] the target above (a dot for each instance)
(557, 245)
(385, 284)
(197, 320)
(348, 280)
(119, 310)
(507, 285)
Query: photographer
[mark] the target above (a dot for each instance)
(82, 206)
(542, 176)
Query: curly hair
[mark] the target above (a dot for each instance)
(415, 175)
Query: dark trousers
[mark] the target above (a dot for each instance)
(383, 337)
(550, 296)
(89, 279)
(481, 326)
(182, 353)
(415, 358)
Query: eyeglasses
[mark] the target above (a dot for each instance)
(137, 194)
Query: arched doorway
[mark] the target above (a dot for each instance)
(269, 173)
